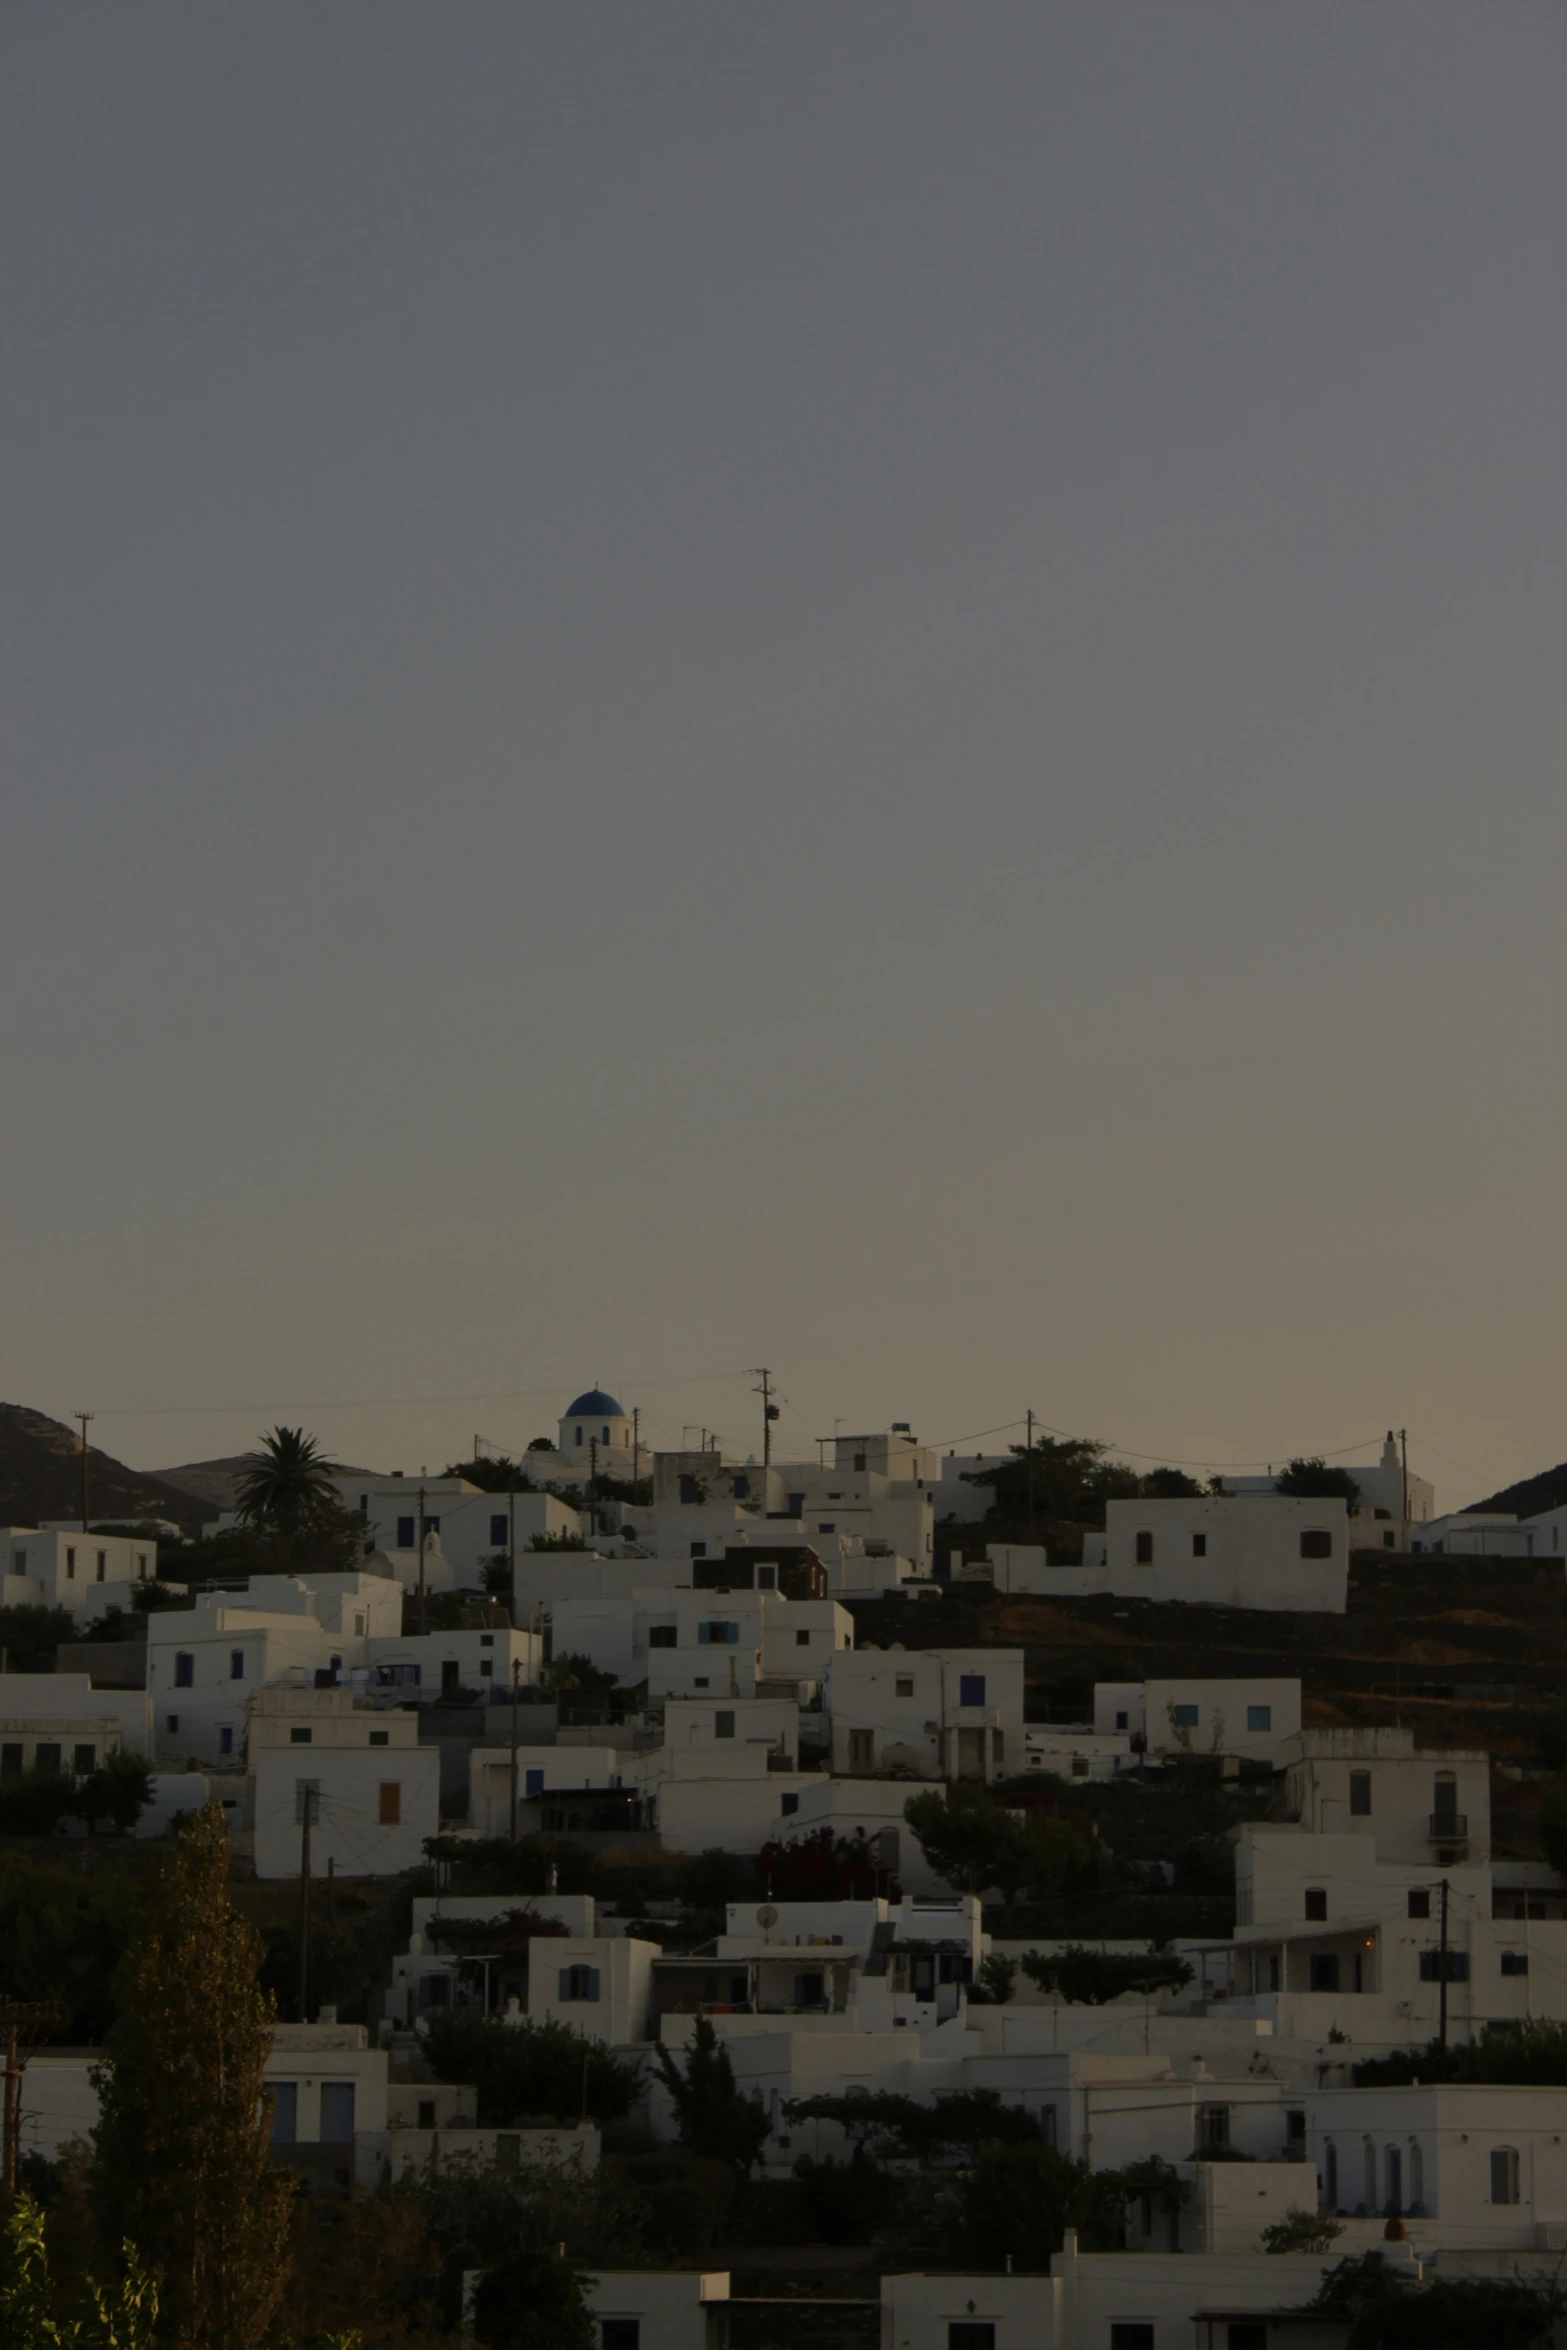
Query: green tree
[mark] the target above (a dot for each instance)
(1523, 2054)
(529, 2068)
(180, 2163)
(31, 1635)
(919, 2129)
(492, 1472)
(121, 2316)
(286, 1493)
(1171, 1485)
(1301, 2231)
(116, 1791)
(1311, 1479)
(1092, 1978)
(712, 2115)
(535, 2301)
(973, 1841)
(1016, 2201)
(62, 1937)
(996, 1981)
(1386, 2309)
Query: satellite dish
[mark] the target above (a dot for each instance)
(767, 1915)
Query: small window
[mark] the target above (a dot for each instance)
(236, 1664)
(579, 1984)
(1185, 1717)
(1259, 1717)
(862, 1751)
(380, 1737)
(859, 1460)
(1504, 2174)
(1144, 1548)
(1360, 1796)
(300, 1736)
(790, 1804)
(970, 2334)
(337, 2113)
(661, 1636)
(699, 1550)
(1131, 2337)
(903, 1686)
(487, 1668)
(1246, 2334)
(802, 1640)
(718, 1635)
(723, 1725)
(486, 1639)
(225, 1740)
(971, 1689)
(1317, 1902)
(84, 1758)
(1514, 1962)
(171, 1723)
(405, 1533)
(1419, 1901)
(742, 1489)
(1316, 1543)
(103, 1561)
(1213, 2127)
(827, 1526)
(70, 1563)
(1431, 1966)
(426, 2113)
(184, 1669)
(1123, 1721)
(498, 1533)
(688, 1491)
(1199, 1546)
(391, 1803)
(10, 1761)
(620, 2333)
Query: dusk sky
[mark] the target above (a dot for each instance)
(876, 689)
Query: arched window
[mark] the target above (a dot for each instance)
(1393, 2181)
(606, 1436)
(1504, 2174)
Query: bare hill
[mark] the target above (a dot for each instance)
(1531, 1495)
(41, 1477)
(213, 1482)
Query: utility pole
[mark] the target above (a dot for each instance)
(1029, 1457)
(424, 1604)
(516, 1676)
(636, 1442)
(309, 1797)
(1403, 1444)
(84, 1417)
(769, 1413)
(1441, 1977)
(21, 2022)
(511, 1541)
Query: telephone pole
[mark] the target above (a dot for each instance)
(636, 1442)
(1403, 1446)
(21, 2022)
(593, 1483)
(1029, 1457)
(424, 1604)
(516, 1676)
(84, 1417)
(764, 1389)
(309, 1797)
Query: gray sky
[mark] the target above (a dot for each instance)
(876, 689)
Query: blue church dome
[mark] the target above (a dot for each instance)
(595, 1405)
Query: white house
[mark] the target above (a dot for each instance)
(205, 1662)
(85, 1573)
(601, 1985)
(938, 1713)
(59, 1721)
(660, 2308)
(1257, 1719)
(428, 1665)
(372, 1789)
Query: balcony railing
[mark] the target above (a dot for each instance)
(1449, 1827)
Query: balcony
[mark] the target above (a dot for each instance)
(1449, 1827)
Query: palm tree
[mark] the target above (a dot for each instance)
(286, 1487)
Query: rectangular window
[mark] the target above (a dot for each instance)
(1504, 2174)
(688, 1492)
(661, 1636)
(391, 1803)
(1185, 1717)
(579, 1984)
(70, 1563)
(498, 1533)
(171, 1723)
(1131, 2337)
(903, 1686)
(533, 1781)
(862, 1750)
(810, 1990)
(699, 1550)
(426, 2113)
(1144, 1551)
(487, 1668)
(337, 2113)
(1259, 1717)
(1514, 1962)
(790, 1805)
(84, 1758)
(1317, 1902)
(723, 1725)
(380, 1737)
(1246, 2334)
(796, 1505)
(1316, 1543)
(103, 1561)
(225, 1740)
(1419, 1901)
(1213, 2126)
(10, 1761)
(620, 2333)
(236, 1664)
(802, 1640)
(1431, 1966)
(1199, 1546)
(1360, 1795)
(971, 1689)
(718, 1635)
(285, 2112)
(300, 1737)
(970, 2333)
(405, 1533)
(184, 1669)
(742, 1489)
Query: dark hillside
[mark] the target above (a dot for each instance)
(1531, 1495)
(41, 1477)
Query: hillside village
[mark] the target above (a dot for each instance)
(966, 1901)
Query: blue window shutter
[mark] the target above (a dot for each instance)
(704, 1635)
(971, 1689)
(592, 1974)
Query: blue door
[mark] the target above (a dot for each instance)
(285, 2112)
(337, 2113)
